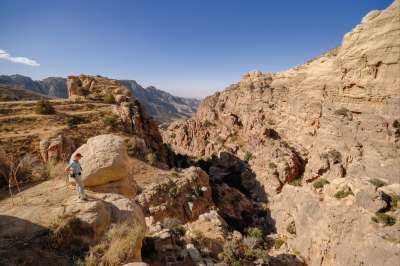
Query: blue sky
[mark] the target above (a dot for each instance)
(189, 48)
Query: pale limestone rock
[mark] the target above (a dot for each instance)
(183, 196)
(105, 159)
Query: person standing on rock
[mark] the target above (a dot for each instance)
(75, 170)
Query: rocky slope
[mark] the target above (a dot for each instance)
(14, 93)
(334, 120)
(162, 106)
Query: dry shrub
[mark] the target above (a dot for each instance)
(15, 169)
(68, 232)
(117, 248)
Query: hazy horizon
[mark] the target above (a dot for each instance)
(187, 49)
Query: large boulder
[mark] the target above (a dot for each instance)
(105, 159)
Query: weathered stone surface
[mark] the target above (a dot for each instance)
(105, 159)
(56, 148)
(51, 205)
(183, 196)
(331, 231)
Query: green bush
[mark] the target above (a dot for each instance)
(44, 107)
(72, 121)
(384, 218)
(248, 156)
(377, 182)
(109, 98)
(394, 199)
(82, 91)
(174, 228)
(110, 120)
(255, 232)
(230, 254)
(320, 183)
(278, 243)
(343, 194)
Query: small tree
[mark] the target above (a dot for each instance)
(109, 98)
(110, 120)
(82, 92)
(44, 107)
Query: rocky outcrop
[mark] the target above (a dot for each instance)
(161, 105)
(183, 196)
(51, 227)
(105, 165)
(96, 87)
(56, 148)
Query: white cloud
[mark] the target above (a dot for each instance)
(20, 60)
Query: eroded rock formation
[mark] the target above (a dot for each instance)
(335, 120)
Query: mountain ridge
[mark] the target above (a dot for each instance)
(163, 106)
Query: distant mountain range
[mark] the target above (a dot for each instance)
(161, 105)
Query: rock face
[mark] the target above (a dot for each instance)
(331, 231)
(56, 148)
(51, 86)
(183, 196)
(335, 117)
(162, 106)
(105, 165)
(338, 112)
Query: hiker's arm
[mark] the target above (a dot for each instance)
(67, 169)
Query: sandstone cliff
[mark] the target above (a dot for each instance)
(334, 119)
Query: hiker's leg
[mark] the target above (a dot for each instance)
(79, 187)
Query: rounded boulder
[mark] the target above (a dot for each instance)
(104, 160)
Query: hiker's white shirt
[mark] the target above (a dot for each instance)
(75, 166)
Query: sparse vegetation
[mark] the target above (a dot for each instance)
(14, 169)
(44, 107)
(320, 183)
(109, 98)
(248, 156)
(116, 248)
(175, 228)
(343, 193)
(66, 232)
(110, 120)
(394, 200)
(230, 254)
(256, 233)
(272, 165)
(82, 92)
(135, 148)
(278, 243)
(384, 218)
(72, 121)
(207, 123)
(333, 155)
(151, 158)
(377, 182)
